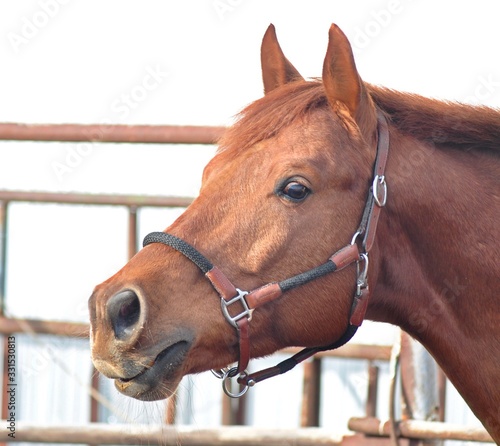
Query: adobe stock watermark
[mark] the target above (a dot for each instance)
(422, 319)
(40, 360)
(381, 19)
(487, 85)
(121, 108)
(224, 7)
(32, 24)
(11, 384)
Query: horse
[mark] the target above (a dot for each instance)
(332, 200)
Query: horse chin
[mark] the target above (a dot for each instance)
(159, 380)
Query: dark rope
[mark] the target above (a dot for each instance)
(289, 363)
(180, 245)
(308, 276)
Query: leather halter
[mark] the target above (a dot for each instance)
(356, 252)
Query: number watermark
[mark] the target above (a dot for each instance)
(11, 387)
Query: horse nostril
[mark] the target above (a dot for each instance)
(124, 310)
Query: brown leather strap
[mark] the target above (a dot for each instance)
(290, 363)
(345, 256)
(379, 171)
(228, 291)
(221, 283)
(382, 145)
(244, 343)
(278, 369)
(264, 294)
(359, 307)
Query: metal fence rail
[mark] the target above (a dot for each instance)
(144, 134)
(133, 201)
(97, 433)
(428, 430)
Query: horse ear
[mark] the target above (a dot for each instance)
(340, 77)
(276, 68)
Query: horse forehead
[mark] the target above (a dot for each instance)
(309, 139)
(308, 135)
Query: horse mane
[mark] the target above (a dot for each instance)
(267, 116)
(438, 122)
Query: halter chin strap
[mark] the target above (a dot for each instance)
(231, 297)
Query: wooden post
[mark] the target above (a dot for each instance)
(442, 380)
(419, 381)
(372, 397)
(234, 409)
(94, 404)
(3, 253)
(132, 231)
(311, 393)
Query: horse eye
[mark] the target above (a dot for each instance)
(295, 191)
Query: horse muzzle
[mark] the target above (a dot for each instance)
(159, 379)
(142, 368)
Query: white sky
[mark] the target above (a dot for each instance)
(75, 61)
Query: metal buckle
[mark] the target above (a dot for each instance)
(247, 312)
(379, 181)
(362, 275)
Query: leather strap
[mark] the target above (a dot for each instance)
(359, 306)
(244, 344)
(371, 215)
(345, 256)
(221, 283)
(288, 364)
(263, 295)
(382, 144)
(228, 291)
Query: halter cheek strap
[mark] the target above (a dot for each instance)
(356, 252)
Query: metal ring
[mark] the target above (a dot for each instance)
(231, 373)
(379, 180)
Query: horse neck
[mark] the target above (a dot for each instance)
(437, 276)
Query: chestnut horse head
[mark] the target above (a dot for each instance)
(284, 203)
